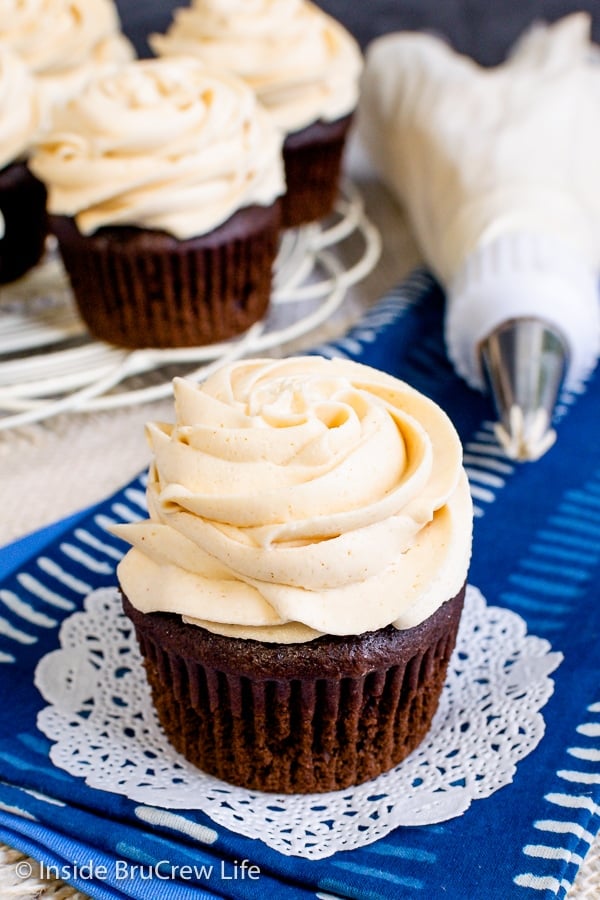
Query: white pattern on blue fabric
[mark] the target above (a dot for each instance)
(568, 537)
(559, 827)
(137, 497)
(160, 818)
(542, 884)
(43, 797)
(573, 801)
(401, 852)
(563, 826)
(37, 589)
(124, 513)
(26, 766)
(562, 556)
(589, 729)
(340, 885)
(585, 753)
(85, 537)
(485, 464)
(17, 811)
(579, 777)
(51, 568)
(24, 610)
(15, 634)
(40, 588)
(82, 558)
(542, 851)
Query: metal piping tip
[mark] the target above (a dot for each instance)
(524, 361)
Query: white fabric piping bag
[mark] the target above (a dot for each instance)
(498, 172)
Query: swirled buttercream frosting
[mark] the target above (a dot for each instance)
(160, 144)
(63, 42)
(19, 108)
(301, 62)
(300, 497)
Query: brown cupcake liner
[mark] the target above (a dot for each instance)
(313, 161)
(368, 702)
(137, 288)
(23, 208)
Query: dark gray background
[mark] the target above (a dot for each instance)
(482, 28)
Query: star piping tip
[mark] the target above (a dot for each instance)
(524, 361)
(525, 440)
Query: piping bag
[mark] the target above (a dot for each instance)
(498, 171)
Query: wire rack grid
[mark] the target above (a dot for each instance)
(50, 364)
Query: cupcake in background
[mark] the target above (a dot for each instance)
(24, 222)
(297, 589)
(304, 67)
(64, 43)
(163, 180)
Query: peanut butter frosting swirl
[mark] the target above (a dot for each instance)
(19, 108)
(160, 144)
(303, 65)
(300, 497)
(63, 42)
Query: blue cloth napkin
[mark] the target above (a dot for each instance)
(536, 551)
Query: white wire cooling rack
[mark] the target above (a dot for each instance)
(49, 363)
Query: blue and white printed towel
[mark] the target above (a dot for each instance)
(536, 551)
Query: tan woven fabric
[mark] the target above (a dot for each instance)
(20, 879)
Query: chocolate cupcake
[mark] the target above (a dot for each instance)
(163, 180)
(23, 218)
(297, 589)
(304, 67)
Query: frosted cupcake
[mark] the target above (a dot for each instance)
(23, 219)
(297, 589)
(163, 181)
(64, 43)
(304, 67)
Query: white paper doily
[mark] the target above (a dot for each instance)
(104, 730)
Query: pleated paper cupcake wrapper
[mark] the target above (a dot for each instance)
(312, 172)
(164, 293)
(23, 219)
(306, 735)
